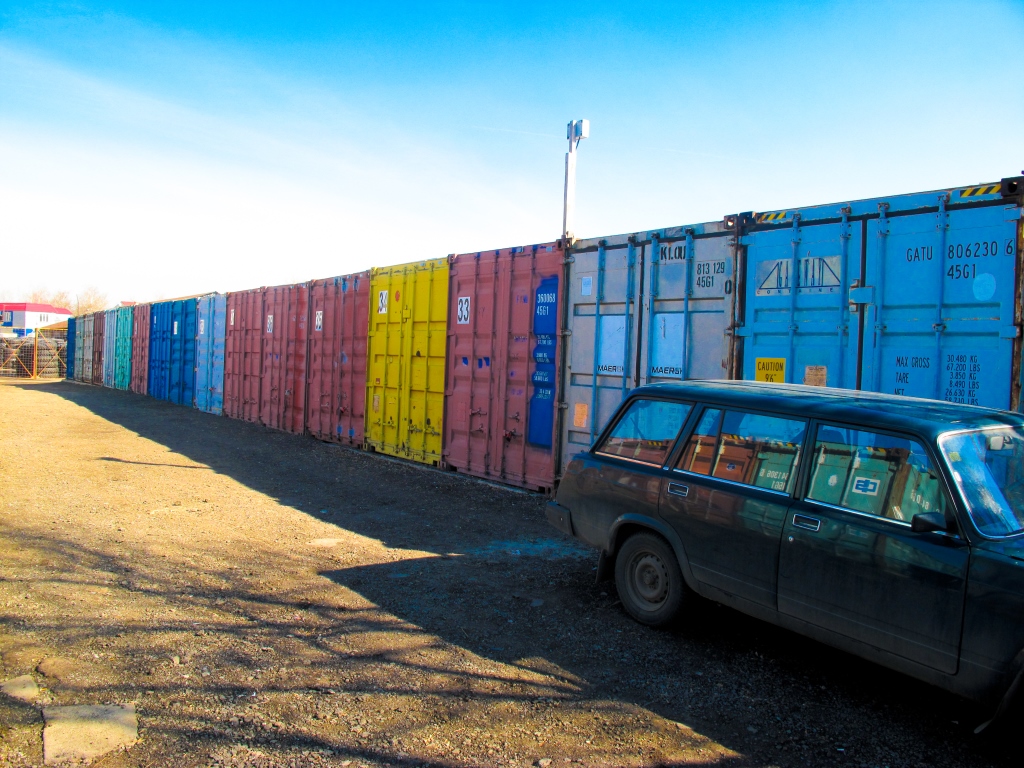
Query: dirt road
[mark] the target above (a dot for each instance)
(264, 599)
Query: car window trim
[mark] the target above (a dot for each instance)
(697, 413)
(930, 446)
(623, 410)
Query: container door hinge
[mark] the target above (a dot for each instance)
(744, 330)
(563, 406)
(862, 295)
(567, 332)
(569, 260)
(1009, 332)
(745, 240)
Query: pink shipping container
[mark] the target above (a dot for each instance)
(99, 324)
(140, 349)
(504, 330)
(243, 356)
(283, 387)
(336, 380)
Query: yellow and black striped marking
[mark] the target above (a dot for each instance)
(984, 189)
(763, 218)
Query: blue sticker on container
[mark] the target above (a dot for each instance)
(545, 329)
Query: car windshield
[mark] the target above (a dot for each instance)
(988, 466)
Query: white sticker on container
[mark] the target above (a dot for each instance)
(586, 285)
(984, 286)
(382, 303)
(866, 485)
(319, 320)
(202, 325)
(462, 314)
(270, 323)
(175, 327)
(232, 317)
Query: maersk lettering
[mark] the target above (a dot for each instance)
(617, 369)
(666, 370)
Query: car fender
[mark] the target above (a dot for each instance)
(615, 539)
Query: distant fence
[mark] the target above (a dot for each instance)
(43, 355)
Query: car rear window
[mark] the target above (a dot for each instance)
(884, 475)
(749, 448)
(646, 431)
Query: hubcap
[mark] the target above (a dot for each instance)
(650, 578)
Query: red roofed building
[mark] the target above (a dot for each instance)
(21, 318)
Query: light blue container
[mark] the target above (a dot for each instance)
(210, 337)
(109, 347)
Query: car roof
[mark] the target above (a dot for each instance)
(870, 409)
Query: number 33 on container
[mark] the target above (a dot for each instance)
(406, 349)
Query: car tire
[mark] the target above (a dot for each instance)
(648, 580)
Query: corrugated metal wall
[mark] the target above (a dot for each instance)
(73, 330)
(243, 361)
(98, 346)
(504, 327)
(406, 360)
(109, 347)
(123, 348)
(211, 314)
(88, 340)
(159, 350)
(336, 390)
(140, 349)
(283, 388)
(181, 384)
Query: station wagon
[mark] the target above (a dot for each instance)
(887, 526)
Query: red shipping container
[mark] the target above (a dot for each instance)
(99, 323)
(140, 349)
(243, 355)
(336, 381)
(504, 329)
(283, 388)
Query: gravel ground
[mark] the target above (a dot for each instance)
(268, 600)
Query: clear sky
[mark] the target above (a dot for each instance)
(156, 150)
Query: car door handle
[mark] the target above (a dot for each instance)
(809, 523)
(678, 489)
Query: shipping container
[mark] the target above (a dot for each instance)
(140, 349)
(243, 360)
(285, 338)
(406, 360)
(73, 329)
(98, 344)
(79, 346)
(336, 378)
(123, 348)
(88, 338)
(109, 347)
(913, 294)
(158, 380)
(181, 382)
(504, 331)
(211, 314)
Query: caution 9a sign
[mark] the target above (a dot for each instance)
(771, 369)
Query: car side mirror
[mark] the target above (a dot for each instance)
(926, 522)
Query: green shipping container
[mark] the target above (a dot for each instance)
(123, 348)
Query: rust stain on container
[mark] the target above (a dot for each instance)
(503, 350)
(243, 362)
(336, 380)
(283, 387)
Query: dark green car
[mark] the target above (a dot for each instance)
(890, 527)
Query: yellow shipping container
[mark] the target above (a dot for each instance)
(406, 360)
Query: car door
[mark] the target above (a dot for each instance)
(850, 562)
(623, 473)
(727, 497)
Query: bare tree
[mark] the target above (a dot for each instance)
(90, 300)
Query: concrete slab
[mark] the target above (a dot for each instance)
(86, 731)
(23, 688)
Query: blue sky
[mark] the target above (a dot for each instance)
(156, 150)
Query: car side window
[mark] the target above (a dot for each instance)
(878, 474)
(647, 431)
(748, 448)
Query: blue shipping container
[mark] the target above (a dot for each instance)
(159, 350)
(210, 337)
(911, 295)
(70, 351)
(182, 380)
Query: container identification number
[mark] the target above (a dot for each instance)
(706, 271)
(462, 310)
(382, 303)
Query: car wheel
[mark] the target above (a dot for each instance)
(648, 580)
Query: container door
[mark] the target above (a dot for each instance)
(140, 349)
(70, 352)
(323, 362)
(940, 322)
(203, 353)
(216, 333)
(601, 356)
(99, 319)
(802, 336)
(689, 293)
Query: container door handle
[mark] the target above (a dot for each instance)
(678, 489)
(808, 523)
